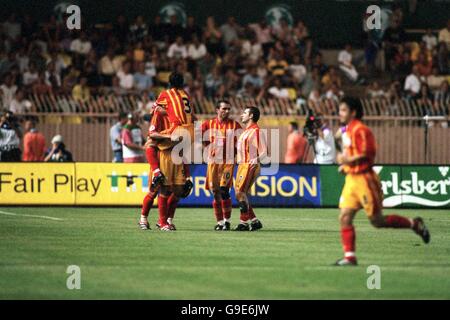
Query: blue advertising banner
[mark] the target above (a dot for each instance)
(292, 186)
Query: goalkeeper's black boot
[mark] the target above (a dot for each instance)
(218, 227)
(226, 226)
(255, 225)
(242, 227)
(158, 179)
(421, 229)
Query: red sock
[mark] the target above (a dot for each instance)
(148, 203)
(187, 171)
(395, 221)
(226, 208)
(172, 203)
(348, 236)
(217, 206)
(162, 206)
(251, 213)
(152, 158)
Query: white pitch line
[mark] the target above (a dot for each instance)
(30, 215)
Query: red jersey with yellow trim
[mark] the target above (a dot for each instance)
(250, 145)
(159, 122)
(219, 133)
(358, 139)
(178, 105)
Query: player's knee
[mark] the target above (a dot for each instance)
(225, 193)
(243, 206)
(345, 218)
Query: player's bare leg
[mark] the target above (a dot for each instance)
(348, 237)
(217, 207)
(248, 222)
(400, 222)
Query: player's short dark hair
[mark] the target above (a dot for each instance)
(294, 125)
(176, 80)
(256, 114)
(222, 101)
(123, 115)
(354, 104)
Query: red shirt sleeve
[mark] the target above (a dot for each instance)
(126, 137)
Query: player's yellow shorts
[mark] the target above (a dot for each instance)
(362, 190)
(246, 176)
(219, 175)
(174, 173)
(185, 130)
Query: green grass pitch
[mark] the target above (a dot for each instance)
(289, 259)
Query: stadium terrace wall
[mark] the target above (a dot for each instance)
(345, 16)
(110, 184)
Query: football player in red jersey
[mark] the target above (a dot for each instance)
(362, 187)
(219, 176)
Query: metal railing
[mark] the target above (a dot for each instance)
(112, 103)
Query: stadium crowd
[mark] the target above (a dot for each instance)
(247, 61)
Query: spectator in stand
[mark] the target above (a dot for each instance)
(40, 87)
(318, 63)
(253, 78)
(19, 104)
(251, 50)
(213, 37)
(138, 30)
(177, 50)
(424, 66)
(58, 151)
(8, 90)
(278, 65)
(174, 29)
(297, 70)
(107, 68)
(52, 78)
(192, 29)
(435, 80)
(10, 135)
(31, 75)
(444, 34)
(132, 141)
(125, 77)
(277, 90)
(296, 145)
(442, 58)
(33, 143)
(81, 45)
(263, 34)
(196, 49)
(81, 91)
(230, 31)
(442, 96)
(430, 39)
(374, 91)
(115, 136)
(412, 83)
(330, 77)
(334, 93)
(12, 28)
(121, 28)
(142, 81)
(213, 81)
(346, 65)
(393, 36)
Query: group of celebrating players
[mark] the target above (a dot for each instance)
(172, 118)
